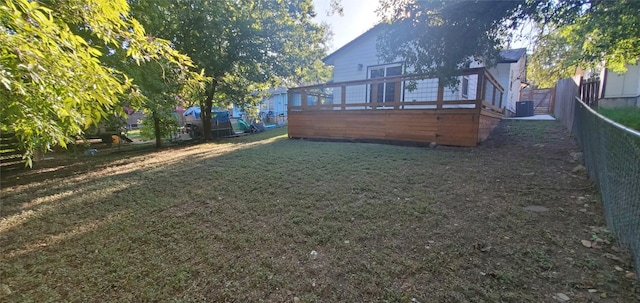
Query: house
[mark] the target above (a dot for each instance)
(369, 100)
(273, 105)
(620, 90)
(511, 73)
(134, 119)
(358, 60)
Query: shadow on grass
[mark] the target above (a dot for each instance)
(69, 164)
(263, 218)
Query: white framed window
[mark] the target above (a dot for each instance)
(384, 92)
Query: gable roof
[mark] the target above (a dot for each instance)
(507, 55)
(374, 30)
(512, 55)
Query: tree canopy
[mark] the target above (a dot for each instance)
(437, 37)
(53, 84)
(243, 46)
(66, 64)
(607, 32)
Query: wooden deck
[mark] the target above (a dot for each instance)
(340, 111)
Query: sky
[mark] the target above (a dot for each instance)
(359, 16)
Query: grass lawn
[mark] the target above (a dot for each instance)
(627, 116)
(133, 134)
(264, 218)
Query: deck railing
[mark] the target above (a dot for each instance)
(476, 89)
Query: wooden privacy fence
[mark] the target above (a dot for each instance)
(565, 91)
(399, 108)
(543, 99)
(590, 91)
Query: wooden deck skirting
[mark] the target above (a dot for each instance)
(314, 116)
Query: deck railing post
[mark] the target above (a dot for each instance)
(289, 100)
(493, 97)
(343, 96)
(374, 95)
(440, 97)
(397, 94)
(303, 99)
(480, 89)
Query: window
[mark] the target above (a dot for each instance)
(465, 87)
(383, 92)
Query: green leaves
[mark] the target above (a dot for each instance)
(242, 46)
(64, 69)
(437, 37)
(53, 82)
(605, 33)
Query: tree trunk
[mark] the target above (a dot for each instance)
(156, 130)
(205, 111)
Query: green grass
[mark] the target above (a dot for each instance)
(238, 220)
(628, 116)
(133, 134)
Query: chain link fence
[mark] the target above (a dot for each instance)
(612, 158)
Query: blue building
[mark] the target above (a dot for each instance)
(273, 105)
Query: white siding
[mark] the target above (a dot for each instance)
(508, 75)
(353, 62)
(623, 85)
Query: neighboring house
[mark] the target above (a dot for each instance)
(358, 60)
(620, 90)
(273, 105)
(134, 120)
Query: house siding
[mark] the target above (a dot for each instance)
(352, 62)
(509, 76)
(621, 90)
(347, 65)
(623, 85)
(276, 103)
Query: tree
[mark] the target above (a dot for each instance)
(553, 58)
(608, 31)
(52, 82)
(437, 37)
(243, 46)
(160, 83)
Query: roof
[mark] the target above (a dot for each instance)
(512, 55)
(507, 56)
(371, 31)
